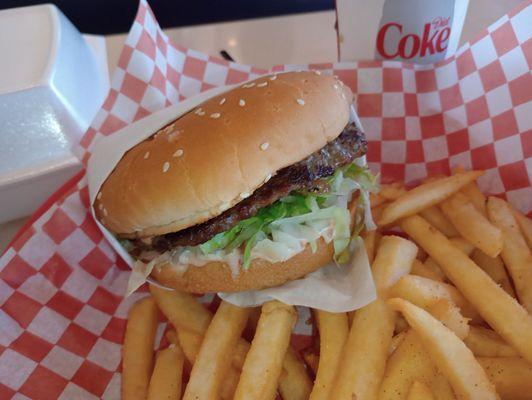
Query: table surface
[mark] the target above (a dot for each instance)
(265, 42)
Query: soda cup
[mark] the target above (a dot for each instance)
(417, 31)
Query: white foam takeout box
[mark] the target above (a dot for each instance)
(52, 82)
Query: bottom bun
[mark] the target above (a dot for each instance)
(216, 276)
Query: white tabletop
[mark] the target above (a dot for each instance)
(265, 42)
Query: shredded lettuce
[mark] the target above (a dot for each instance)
(282, 229)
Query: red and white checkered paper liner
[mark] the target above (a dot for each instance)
(62, 312)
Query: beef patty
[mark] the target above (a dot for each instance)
(304, 175)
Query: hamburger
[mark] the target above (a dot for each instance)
(253, 188)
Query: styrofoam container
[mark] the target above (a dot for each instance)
(52, 82)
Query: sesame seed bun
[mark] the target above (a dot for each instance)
(216, 276)
(209, 159)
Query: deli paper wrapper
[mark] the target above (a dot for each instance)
(332, 288)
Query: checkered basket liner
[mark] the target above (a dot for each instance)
(62, 310)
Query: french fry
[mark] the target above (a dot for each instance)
(396, 341)
(333, 329)
(166, 380)
(425, 196)
(264, 360)
(512, 376)
(436, 217)
(448, 352)
(393, 261)
(137, 351)
(214, 357)
(392, 191)
(370, 240)
(424, 292)
(376, 199)
(472, 225)
(494, 267)
(463, 245)
(419, 391)
(449, 315)
(312, 360)
(366, 350)
(429, 269)
(400, 324)
(185, 312)
(507, 317)
(377, 211)
(526, 226)
(294, 383)
(408, 363)
(484, 342)
(515, 252)
(441, 388)
(182, 310)
(476, 197)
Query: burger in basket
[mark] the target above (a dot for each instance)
(253, 188)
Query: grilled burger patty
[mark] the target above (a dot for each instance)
(304, 175)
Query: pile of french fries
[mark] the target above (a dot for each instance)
(452, 318)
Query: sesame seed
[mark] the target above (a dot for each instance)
(173, 136)
(99, 196)
(262, 84)
(168, 129)
(244, 195)
(105, 212)
(201, 113)
(198, 110)
(223, 206)
(264, 146)
(178, 153)
(248, 85)
(215, 115)
(146, 155)
(301, 102)
(274, 77)
(100, 206)
(343, 95)
(166, 166)
(268, 178)
(335, 86)
(222, 101)
(241, 103)
(317, 72)
(172, 345)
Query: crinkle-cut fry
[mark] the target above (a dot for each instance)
(512, 376)
(426, 195)
(137, 351)
(419, 391)
(429, 269)
(495, 268)
(449, 315)
(424, 292)
(436, 217)
(263, 365)
(333, 329)
(501, 311)
(214, 357)
(294, 382)
(515, 252)
(166, 379)
(525, 224)
(484, 342)
(472, 225)
(448, 352)
(365, 352)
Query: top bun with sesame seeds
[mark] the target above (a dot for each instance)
(211, 158)
(226, 162)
